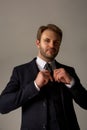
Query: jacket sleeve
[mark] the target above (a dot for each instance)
(79, 93)
(14, 96)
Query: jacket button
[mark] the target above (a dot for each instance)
(44, 103)
(44, 127)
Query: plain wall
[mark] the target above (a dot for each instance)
(19, 21)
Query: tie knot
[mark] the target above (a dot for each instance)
(48, 67)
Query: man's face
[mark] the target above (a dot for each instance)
(48, 45)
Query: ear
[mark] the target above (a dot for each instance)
(38, 43)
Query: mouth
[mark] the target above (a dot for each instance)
(52, 50)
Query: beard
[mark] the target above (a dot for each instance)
(48, 54)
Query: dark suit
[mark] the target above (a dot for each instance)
(52, 105)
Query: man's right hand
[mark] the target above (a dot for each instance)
(43, 78)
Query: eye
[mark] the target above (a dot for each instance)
(47, 40)
(57, 42)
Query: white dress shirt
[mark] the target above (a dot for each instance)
(41, 63)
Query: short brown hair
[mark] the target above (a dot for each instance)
(52, 27)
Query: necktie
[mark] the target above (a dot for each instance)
(49, 67)
(52, 123)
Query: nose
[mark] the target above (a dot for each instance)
(52, 44)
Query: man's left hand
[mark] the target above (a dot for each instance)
(60, 75)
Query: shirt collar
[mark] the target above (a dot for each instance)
(41, 63)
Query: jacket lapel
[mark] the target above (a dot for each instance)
(33, 69)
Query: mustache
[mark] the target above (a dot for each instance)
(52, 49)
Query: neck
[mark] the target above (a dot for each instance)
(46, 59)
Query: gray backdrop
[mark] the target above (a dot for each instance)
(19, 21)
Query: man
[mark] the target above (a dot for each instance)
(44, 88)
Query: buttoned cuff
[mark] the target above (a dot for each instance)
(36, 86)
(71, 83)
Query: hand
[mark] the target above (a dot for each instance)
(43, 78)
(60, 75)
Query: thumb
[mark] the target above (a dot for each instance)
(51, 78)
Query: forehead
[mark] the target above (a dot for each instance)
(48, 33)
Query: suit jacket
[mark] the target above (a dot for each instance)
(21, 92)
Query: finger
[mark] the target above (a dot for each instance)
(48, 75)
(51, 78)
(54, 74)
(44, 71)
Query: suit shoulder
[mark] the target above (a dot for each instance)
(25, 65)
(60, 65)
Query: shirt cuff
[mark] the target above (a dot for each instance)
(71, 83)
(36, 86)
